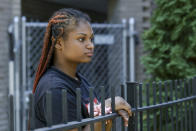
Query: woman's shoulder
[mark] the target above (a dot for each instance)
(50, 80)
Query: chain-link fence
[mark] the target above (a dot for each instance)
(106, 67)
(110, 66)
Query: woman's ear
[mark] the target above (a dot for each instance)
(59, 44)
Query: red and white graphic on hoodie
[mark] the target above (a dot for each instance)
(97, 108)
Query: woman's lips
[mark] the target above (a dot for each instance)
(89, 54)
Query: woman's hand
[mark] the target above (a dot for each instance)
(120, 104)
(122, 108)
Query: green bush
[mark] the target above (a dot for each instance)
(170, 42)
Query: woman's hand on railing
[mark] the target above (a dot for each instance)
(120, 104)
(122, 108)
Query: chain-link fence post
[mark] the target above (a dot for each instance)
(124, 56)
(131, 50)
(11, 59)
(11, 79)
(17, 73)
(11, 113)
(194, 102)
(24, 75)
(132, 100)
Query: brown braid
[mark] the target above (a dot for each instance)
(57, 27)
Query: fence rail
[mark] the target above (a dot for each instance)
(158, 106)
(163, 106)
(65, 125)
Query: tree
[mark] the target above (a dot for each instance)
(170, 42)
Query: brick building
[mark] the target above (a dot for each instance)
(99, 10)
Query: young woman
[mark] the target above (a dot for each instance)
(68, 42)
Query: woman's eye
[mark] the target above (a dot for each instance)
(81, 39)
(92, 39)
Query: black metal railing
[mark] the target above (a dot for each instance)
(163, 106)
(160, 106)
(65, 125)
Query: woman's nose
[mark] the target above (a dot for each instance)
(90, 45)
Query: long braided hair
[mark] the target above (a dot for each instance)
(58, 26)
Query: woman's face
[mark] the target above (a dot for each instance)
(78, 46)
